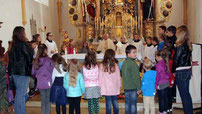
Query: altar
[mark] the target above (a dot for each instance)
(82, 56)
(118, 18)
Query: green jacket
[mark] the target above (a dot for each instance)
(130, 75)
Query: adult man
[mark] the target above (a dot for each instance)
(105, 44)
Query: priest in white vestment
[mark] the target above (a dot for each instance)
(105, 44)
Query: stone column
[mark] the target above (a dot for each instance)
(24, 21)
(59, 5)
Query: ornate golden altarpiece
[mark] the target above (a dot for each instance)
(116, 17)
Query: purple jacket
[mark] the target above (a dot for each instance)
(162, 76)
(44, 73)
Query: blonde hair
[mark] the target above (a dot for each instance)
(147, 64)
(183, 36)
(73, 69)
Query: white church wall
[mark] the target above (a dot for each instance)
(177, 15)
(66, 22)
(195, 20)
(12, 16)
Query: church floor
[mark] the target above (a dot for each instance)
(37, 110)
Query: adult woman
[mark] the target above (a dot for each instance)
(19, 67)
(182, 67)
(52, 47)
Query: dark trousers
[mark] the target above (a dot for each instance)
(182, 81)
(74, 104)
(63, 109)
(170, 97)
(163, 99)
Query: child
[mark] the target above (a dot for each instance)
(58, 92)
(162, 29)
(168, 47)
(139, 46)
(42, 68)
(149, 51)
(32, 79)
(148, 87)
(91, 80)
(161, 42)
(70, 47)
(34, 48)
(4, 104)
(74, 86)
(85, 47)
(37, 39)
(155, 43)
(131, 80)
(63, 50)
(110, 81)
(162, 80)
(171, 34)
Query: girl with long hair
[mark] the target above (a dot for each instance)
(168, 47)
(85, 47)
(74, 85)
(37, 39)
(91, 80)
(182, 67)
(58, 92)
(162, 80)
(110, 80)
(42, 69)
(19, 67)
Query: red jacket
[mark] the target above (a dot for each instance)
(172, 78)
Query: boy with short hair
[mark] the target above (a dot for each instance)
(131, 80)
(148, 87)
(149, 51)
(162, 29)
(171, 34)
(161, 42)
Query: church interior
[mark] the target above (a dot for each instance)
(88, 21)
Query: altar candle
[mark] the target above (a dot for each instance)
(136, 23)
(95, 23)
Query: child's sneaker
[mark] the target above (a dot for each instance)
(31, 93)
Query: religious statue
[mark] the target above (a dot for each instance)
(118, 19)
(66, 38)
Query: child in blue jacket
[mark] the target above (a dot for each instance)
(148, 87)
(74, 86)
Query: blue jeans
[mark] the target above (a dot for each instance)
(182, 81)
(21, 83)
(131, 101)
(112, 100)
(45, 101)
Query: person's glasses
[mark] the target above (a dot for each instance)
(50, 35)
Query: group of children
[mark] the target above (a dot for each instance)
(64, 83)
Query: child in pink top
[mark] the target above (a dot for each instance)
(110, 81)
(70, 47)
(91, 80)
